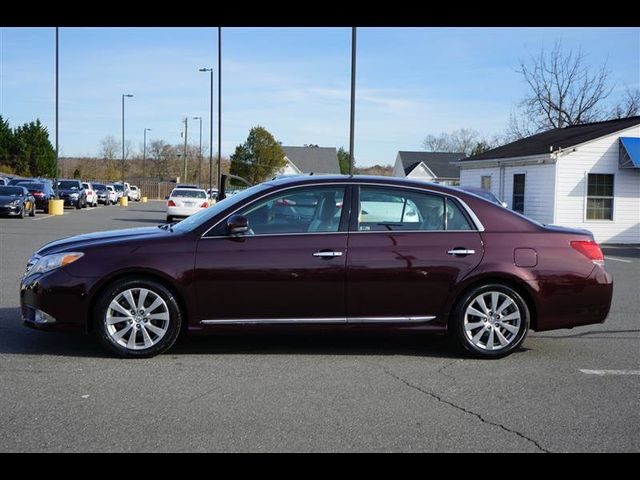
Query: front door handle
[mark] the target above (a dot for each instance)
(461, 251)
(327, 254)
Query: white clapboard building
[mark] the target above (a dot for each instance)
(585, 176)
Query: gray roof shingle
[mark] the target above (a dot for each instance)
(566, 137)
(438, 162)
(318, 160)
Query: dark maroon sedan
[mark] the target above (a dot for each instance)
(324, 252)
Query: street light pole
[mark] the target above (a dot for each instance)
(353, 97)
(144, 151)
(210, 70)
(184, 159)
(219, 175)
(55, 183)
(123, 95)
(200, 154)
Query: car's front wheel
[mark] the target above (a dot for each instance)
(491, 321)
(137, 317)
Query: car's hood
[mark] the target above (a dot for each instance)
(101, 238)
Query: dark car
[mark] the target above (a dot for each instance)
(73, 193)
(42, 192)
(102, 193)
(16, 201)
(16, 181)
(331, 252)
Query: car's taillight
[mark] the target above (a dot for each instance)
(589, 249)
(204, 205)
(38, 194)
(170, 203)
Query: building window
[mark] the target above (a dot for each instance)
(518, 192)
(599, 196)
(485, 182)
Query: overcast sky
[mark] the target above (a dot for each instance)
(293, 81)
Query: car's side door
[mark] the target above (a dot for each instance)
(289, 267)
(407, 250)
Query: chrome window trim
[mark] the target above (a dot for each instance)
(341, 320)
(477, 223)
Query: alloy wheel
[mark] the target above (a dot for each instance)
(137, 318)
(492, 321)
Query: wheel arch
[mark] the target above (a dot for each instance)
(521, 286)
(153, 275)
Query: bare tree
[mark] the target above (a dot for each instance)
(459, 141)
(629, 106)
(563, 91)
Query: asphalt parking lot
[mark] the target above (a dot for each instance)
(568, 390)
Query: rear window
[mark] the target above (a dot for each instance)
(32, 186)
(189, 193)
(99, 186)
(69, 185)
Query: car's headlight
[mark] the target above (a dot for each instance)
(51, 262)
(15, 203)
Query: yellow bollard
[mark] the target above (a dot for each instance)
(56, 207)
(124, 201)
(143, 199)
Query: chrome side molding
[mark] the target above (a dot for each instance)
(275, 321)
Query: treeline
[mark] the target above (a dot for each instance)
(26, 150)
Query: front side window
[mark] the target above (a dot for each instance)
(300, 210)
(599, 196)
(392, 209)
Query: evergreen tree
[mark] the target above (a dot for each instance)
(343, 160)
(6, 144)
(259, 158)
(34, 153)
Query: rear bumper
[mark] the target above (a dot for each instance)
(575, 302)
(182, 211)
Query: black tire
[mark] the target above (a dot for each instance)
(459, 333)
(169, 219)
(23, 212)
(33, 211)
(113, 290)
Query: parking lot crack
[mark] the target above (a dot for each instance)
(465, 410)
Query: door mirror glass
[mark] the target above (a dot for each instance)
(237, 224)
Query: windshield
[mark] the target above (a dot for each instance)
(32, 186)
(118, 188)
(206, 214)
(99, 186)
(12, 191)
(69, 185)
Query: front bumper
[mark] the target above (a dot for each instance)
(70, 202)
(59, 295)
(11, 210)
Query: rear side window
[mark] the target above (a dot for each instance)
(394, 209)
(190, 193)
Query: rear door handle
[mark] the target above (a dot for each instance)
(461, 251)
(327, 253)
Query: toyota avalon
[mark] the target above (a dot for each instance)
(319, 253)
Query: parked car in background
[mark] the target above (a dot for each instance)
(486, 194)
(42, 193)
(113, 195)
(3, 181)
(16, 201)
(468, 268)
(185, 201)
(17, 180)
(73, 193)
(134, 193)
(102, 193)
(92, 197)
(120, 191)
(187, 185)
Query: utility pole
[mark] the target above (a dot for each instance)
(219, 178)
(200, 153)
(123, 96)
(184, 155)
(353, 97)
(144, 151)
(210, 70)
(55, 183)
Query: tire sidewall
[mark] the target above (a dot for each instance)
(100, 328)
(458, 321)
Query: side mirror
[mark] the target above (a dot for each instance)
(237, 224)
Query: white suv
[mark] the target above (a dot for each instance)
(134, 193)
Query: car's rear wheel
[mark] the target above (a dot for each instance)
(491, 321)
(169, 219)
(137, 318)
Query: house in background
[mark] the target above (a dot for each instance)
(316, 160)
(437, 167)
(585, 176)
